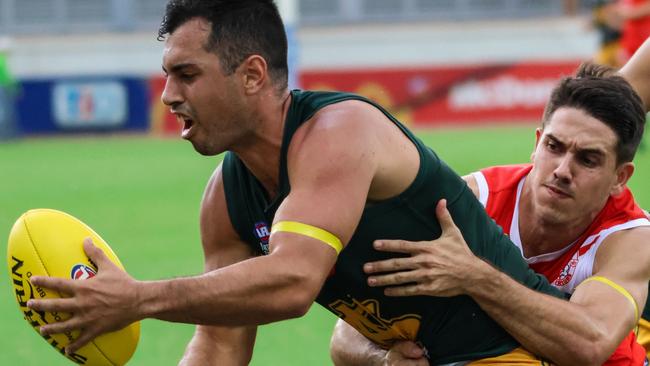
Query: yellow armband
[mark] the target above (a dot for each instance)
(619, 289)
(309, 231)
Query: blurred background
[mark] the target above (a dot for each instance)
(94, 65)
(82, 128)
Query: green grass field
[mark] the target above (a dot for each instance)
(142, 195)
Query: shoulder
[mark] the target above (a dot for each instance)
(344, 129)
(629, 248)
(348, 115)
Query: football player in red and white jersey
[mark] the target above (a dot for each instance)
(574, 220)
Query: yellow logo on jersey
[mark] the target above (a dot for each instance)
(366, 318)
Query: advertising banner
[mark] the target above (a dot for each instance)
(83, 105)
(429, 96)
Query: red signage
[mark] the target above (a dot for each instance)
(428, 96)
(162, 121)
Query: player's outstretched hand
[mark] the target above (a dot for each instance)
(405, 353)
(441, 267)
(101, 304)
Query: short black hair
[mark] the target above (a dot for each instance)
(240, 28)
(603, 94)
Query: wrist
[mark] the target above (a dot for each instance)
(147, 303)
(483, 280)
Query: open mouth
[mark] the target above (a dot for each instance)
(187, 127)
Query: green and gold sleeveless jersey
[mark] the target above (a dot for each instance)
(451, 329)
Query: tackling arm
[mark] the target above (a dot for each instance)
(591, 325)
(637, 72)
(595, 320)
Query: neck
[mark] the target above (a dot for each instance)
(260, 150)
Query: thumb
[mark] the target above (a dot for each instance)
(96, 255)
(444, 217)
(408, 349)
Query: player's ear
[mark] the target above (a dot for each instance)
(254, 73)
(623, 174)
(538, 135)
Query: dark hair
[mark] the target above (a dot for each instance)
(609, 98)
(240, 28)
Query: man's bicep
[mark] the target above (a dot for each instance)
(313, 224)
(330, 170)
(330, 178)
(618, 289)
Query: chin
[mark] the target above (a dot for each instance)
(206, 150)
(554, 216)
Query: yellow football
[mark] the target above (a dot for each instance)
(46, 242)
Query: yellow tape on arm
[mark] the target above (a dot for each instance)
(310, 231)
(618, 288)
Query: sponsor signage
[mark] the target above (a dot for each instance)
(428, 96)
(88, 105)
(81, 105)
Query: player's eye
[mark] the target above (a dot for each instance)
(187, 77)
(551, 145)
(589, 162)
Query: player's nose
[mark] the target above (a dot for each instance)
(562, 171)
(171, 95)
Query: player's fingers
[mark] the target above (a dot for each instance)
(408, 290)
(95, 254)
(53, 283)
(444, 217)
(397, 246)
(408, 349)
(390, 265)
(398, 278)
(61, 327)
(85, 337)
(66, 305)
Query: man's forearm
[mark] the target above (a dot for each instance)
(255, 291)
(550, 327)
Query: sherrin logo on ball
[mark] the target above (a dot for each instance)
(82, 272)
(46, 242)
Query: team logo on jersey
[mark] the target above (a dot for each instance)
(366, 318)
(263, 233)
(82, 272)
(567, 272)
